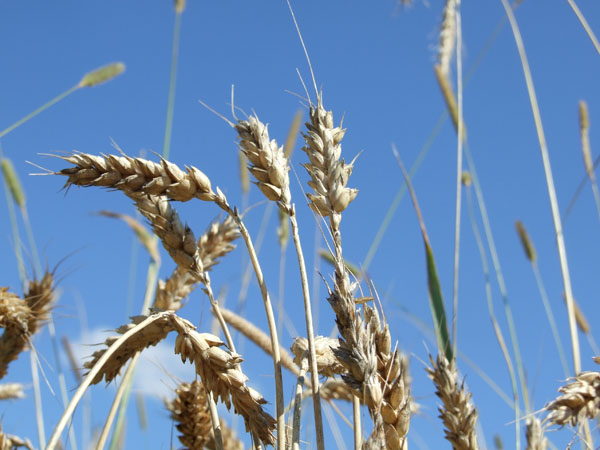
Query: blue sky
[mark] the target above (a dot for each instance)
(374, 63)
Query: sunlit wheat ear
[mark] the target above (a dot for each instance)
(10, 391)
(534, 434)
(447, 36)
(457, 411)
(9, 442)
(580, 399)
(329, 174)
(190, 412)
(21, 319)
(267, 161)
(102, 75)
(327, 363)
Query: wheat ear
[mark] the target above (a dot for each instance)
(534, 433)
(11, 391)
(457, 411)
(10, 442)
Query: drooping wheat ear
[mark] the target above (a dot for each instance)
(327, 363)
(217, 367)
(267, 161)
(580, 399)
(447, 36)
(535, 435)
(457, 411)
(189, 410)
(21, 319)
(220, 373)
(11, 391)
(10, 442)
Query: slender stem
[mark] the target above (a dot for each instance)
(585, 25)
(270, 319)
(562, 252)
(39, 412)
(497, 330)
(214, 415)
(39, 110)
(309, 334)
(217, 311)
(298, 404)
(357, 425)
(172, 83)
(459, 164)
(116, 404)
(550, 315)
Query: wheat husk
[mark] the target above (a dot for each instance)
(580, 399)
(457, 411)
(327, 363)
(10, 442)
(11, 391)
(267, 161)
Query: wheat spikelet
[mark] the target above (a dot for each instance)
(189, 410)
(10, 391)
(267, 161)
(580, 399)
(458, 413)
(329, 174)
(535, 435)
(327, 363)
(9, 442)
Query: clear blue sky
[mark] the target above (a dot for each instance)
(374, 63)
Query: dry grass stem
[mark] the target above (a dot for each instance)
(458, 413)
(534, 434)
(580, 399)
(259, 337)
(10, 391)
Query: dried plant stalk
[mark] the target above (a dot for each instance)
(11, 391)
(535, 435)
(458, 413)
(580, 399)
(21, 319)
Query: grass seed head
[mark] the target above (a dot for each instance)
(102, 74)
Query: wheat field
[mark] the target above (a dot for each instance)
(306, 225)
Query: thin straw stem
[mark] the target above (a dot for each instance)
(172, 85)
(216, 422)
(356, 422)
(585, 25)
(309, 333)
(562, 252)
(459, 170)
(39, 110)
(39, 411)
(297, 416)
